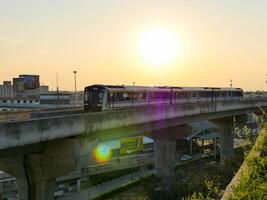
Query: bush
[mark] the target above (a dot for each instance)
(253, 177)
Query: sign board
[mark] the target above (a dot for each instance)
(131, 145)
(18, 84)
(30, 81)
(26, 82)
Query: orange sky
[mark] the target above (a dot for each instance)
(219, 41)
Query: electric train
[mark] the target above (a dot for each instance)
(108, 97)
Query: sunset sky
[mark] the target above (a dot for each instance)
(106, 41)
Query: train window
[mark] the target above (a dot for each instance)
(223, 94)
(101, 95)
(86, 96)
(152, 96)
(118, 96)
(166, 95)
(136, 96)
(181, 95)
(158, 95)
(205, 94)
(110, 97)
(126, 97)
(142, 96)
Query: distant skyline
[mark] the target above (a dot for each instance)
(218, 41)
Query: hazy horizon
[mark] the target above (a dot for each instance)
(217, 40)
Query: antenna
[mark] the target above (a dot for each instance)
(57, 81)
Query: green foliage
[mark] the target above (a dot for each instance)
(213, 192)
(253, 179)
(156, 189)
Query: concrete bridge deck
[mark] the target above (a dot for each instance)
(105, 125)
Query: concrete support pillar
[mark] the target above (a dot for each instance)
(42, 189)
(226, 126)
(215, 148)
(23, 188)
(227, 141)
(32, 181)
(226, 138)
(164, 150)
(36, 173)
(15, 167)
(191, 146)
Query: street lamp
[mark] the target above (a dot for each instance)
(75, 85)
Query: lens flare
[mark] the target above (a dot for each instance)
(102, 153)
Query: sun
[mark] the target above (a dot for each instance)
(159, 46)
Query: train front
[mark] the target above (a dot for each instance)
(93, 98)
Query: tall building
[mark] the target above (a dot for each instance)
(26, 86)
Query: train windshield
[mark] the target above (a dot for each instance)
(93, 97)
(86, 96)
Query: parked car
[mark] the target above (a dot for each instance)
(204, 155)
(185, 157)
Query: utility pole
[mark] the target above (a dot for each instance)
(231, 83)
(75, 85)
(57, 91)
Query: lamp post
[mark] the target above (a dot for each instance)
(75, 85)
(57, 92)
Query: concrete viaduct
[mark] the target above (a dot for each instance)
(36, 151)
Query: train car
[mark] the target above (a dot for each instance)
(107, 97)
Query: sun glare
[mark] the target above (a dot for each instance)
(159, 46)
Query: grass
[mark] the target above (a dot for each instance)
(252, 180)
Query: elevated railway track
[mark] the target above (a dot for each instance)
(37, 113)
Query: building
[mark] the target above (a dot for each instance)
(55, 98)
(26, 91)
(26, 87)
(6, 90)
(44, 89)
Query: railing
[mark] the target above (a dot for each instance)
(39, 113)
